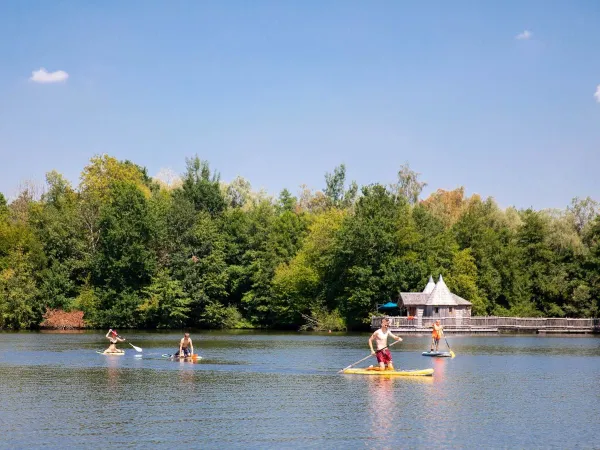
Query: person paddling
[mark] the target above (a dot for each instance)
(186, 347)
(384, 357)
(436, 335)
(113, 338)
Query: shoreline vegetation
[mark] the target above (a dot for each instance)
(125, 250)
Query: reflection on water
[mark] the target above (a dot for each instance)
(381, 405)
(439, 368)
(269, 390)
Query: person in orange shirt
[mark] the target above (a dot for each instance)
(436, 335)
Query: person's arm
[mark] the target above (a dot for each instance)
(180, 347)
(120, 339)
(398, 338)
(371, 342)
(107, 334)
(191, 346)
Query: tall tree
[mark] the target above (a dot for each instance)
(584, 212)
(373, 254)
(123, 264)
(335, 188)
(200, 266)
(538, 264)
(19, 307)
(408, 186)
(201, 187)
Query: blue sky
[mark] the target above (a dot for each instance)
(282, 92)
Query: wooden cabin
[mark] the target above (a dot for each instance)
(436, 301)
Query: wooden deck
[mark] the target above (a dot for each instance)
(490, 324)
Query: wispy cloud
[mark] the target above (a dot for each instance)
(45, 77)
(524, 35)
(597, 94)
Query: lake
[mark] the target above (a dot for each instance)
(282, 390)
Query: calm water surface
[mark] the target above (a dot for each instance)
(265, 390)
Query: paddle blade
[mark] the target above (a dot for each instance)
(137, 349)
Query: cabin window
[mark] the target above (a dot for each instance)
(450, 309)
(436, 310)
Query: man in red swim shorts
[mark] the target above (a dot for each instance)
(384, 357)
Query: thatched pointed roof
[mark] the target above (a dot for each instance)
(430, 286)
(441, 295)
(436, 294)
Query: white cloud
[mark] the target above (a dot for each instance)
(44, 77)
(524, 35)
(597, 94)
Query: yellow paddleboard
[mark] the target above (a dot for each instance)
(400, 373)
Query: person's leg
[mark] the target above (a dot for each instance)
(387, 359)
(380, 360)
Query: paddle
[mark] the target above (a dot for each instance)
(137, 349)
(452, 355)
(367, 357)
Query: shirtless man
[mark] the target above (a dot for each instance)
(384, 357)
(186, 347)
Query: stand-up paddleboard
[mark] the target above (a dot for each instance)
(194, 357)
(400, 373)
(119, 353)
(437, 354)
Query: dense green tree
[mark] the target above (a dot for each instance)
(123, 263)
(3, 206)
(131, 251)
(588, 293)
(373, 253)
(201, 187)
(200, 266)
(166, 304)
(538, 264)
(335, 188)
(19, 307)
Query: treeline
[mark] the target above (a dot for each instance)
(132, 251)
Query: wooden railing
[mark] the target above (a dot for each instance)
(491, 322)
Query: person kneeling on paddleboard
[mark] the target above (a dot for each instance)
(384, 357)
(114, 338)
(186, 347)
(436, 335)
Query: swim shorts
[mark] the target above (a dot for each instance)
(384, 356)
